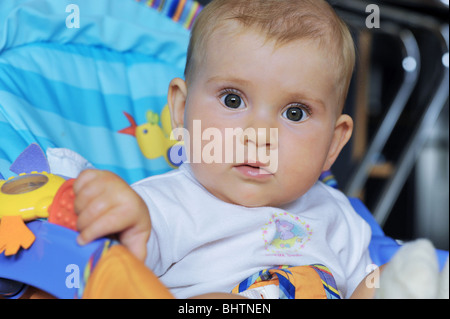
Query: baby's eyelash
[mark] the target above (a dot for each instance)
(302, 106)
(229, 91)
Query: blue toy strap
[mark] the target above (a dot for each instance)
(55, 263)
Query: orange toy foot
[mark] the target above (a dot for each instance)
(14, 234)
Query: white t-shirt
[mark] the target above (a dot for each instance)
(200, 244)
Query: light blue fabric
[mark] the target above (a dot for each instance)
(68, 87)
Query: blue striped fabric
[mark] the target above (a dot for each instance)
(286, 288)
(286, 281)
(68, 87)
(329, 284)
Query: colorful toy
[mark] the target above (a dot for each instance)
(155, 140)
(38, 242)
(29, 196)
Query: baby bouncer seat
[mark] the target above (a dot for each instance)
(84, 85)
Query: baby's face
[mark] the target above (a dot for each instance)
(285, 99)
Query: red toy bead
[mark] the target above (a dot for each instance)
(61, 210)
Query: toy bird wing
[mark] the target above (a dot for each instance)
(31, 159)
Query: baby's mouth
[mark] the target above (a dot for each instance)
(257, 170)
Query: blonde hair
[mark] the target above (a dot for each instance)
(283, 21)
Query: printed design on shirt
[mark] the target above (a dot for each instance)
(285, 234)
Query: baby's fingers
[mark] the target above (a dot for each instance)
(87, 187)
(91, 212)
(85, 177)
(106, 223)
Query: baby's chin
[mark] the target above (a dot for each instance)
(251, 195)
(255, 201)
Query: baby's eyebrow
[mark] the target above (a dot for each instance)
(298, 97)
(225, 79)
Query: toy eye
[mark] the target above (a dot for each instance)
(24, 184)
(145, 131)
(295, 114)
(232, 101)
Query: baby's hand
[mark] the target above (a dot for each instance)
(107, 205)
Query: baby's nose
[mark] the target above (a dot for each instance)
(261, 137)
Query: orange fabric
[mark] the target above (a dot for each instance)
(120, 275)
(14, 234)
(307, 283)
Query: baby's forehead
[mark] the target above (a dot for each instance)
(228, 33)
(229, 30)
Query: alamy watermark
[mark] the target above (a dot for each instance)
(73, 19)
(372, 280)
(373, 19)
(231, 145)
(227, 148)
(73, 277)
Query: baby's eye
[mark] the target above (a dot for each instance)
(296, 114)
(232, 101)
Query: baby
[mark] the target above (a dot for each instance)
(276, 74)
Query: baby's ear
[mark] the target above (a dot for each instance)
(342, 133)
(176, 99)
